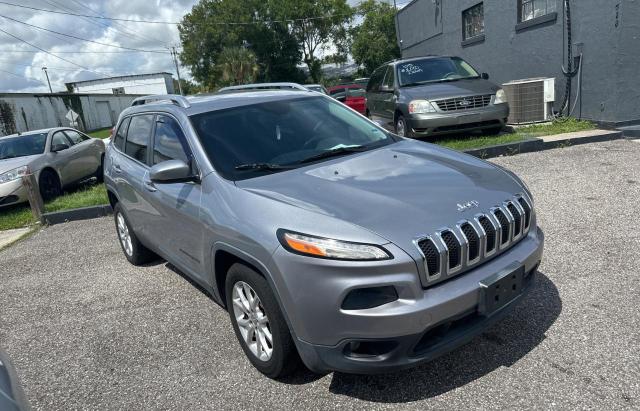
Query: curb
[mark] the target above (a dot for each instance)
(539, 144)
(77, 214)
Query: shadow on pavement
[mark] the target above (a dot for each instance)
(500, 346)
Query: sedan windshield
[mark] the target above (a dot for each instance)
(258, 139)
(431, 70)
(23, 145)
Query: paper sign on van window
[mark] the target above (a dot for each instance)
(410, 69)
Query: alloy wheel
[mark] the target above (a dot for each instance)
(252, 321)
(123, 234)
(400, 128)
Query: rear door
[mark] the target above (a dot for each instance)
(173, 216)
(130, 168)
(387, 100)
(373, 92)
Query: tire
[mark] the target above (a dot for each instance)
(134, 251)
(492, 131)
(49, 185)
(283, 358)
(402, 128)
(100, 171)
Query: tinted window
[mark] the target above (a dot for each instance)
(138, 137)
(118, 139)
(433, 70)
(281, 133)
(169, 142)
(60, 139)
(376, 79)
(24, 145)
(388, 78)
(355, 92)
(75, 137)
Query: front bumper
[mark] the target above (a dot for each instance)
(405, 330)
(442, 122)
(12, 193)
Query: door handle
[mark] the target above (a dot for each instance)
(117, 168)
(148, 184)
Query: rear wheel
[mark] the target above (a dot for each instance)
(259, 324)
(134, 251)
(49, 185)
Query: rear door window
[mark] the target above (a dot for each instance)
(376, 79)
(118, 139)
(169, 142)
(138, 137)
(75, 137)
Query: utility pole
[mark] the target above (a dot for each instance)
(48, 82)
(174, 54)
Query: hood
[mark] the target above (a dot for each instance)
(399, 192)
(459, 88)
(11, 163)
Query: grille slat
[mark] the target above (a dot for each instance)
(464, 103)
(431, 255)
(527, 212)
(473, 239)
(517, 219)
(504, 225)
(453, 245)
(491, 233)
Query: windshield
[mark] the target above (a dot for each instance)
(21, 146)
(434, 70)
(249, 141)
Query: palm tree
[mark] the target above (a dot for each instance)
(237, 65)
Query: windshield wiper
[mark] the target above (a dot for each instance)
(263, 166)
(340, 151)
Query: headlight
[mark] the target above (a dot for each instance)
(501, 97)
(332, 249)
(14, 174)
(421, 107)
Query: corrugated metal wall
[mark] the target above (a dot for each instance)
(24, 112)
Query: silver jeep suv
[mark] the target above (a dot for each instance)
(328, 239)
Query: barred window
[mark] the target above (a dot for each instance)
(473, 21)
(531, 9)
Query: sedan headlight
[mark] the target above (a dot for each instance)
(421, 107)
(500, 98)
(14, 174)
(320, 247)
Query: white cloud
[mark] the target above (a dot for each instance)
(26, 62)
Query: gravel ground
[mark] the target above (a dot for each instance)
(86, 330)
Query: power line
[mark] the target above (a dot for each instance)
(22, 76)
(82, 39)
(76, 52)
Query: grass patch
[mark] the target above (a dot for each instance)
(102, 133)
(81, 196)
(560, 126)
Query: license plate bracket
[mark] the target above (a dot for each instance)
(500, 289)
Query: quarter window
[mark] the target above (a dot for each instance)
(169, 142)
(531, 9)
(473, 22)
(75, 137)
(138, 137)
(118, 139)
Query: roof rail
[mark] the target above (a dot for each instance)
(173, 98)
(265, 86)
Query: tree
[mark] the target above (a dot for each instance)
(237, 65)
(206, 31)
(375, 41)
(317, 25)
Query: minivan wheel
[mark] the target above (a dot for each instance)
(259, 324)
(134, 251)
(402, 128)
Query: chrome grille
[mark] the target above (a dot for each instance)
(455, 249)
(464, 103)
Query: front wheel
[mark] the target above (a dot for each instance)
(49, 185)
(259, 324)
(134, 251)
(402, 127)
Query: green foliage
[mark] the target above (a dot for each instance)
(101, 134)
(204, 34)
(237, 65)
(374, 41)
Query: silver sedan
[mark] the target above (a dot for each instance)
(57, 157)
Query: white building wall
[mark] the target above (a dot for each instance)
(161, 84)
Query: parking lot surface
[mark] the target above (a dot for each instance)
(86, 330)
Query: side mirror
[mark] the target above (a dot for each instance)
(58, 147)
(171, 171)
(485, 76)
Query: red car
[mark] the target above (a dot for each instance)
(353, 95)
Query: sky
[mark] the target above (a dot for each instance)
(21, 64)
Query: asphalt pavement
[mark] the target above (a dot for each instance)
(86, 330)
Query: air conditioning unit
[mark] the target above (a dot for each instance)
(530, 100)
